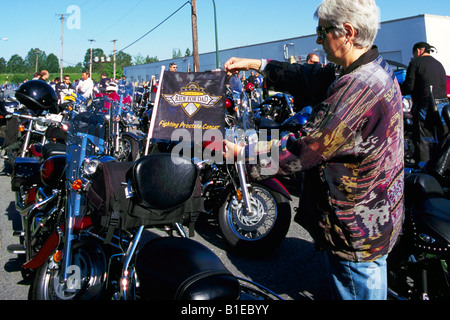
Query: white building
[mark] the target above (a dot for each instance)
(395, 41)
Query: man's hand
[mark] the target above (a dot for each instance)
(235, 65)
(231, 150)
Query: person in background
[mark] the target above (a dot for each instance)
(103, 83)
(44, 75)
(86, 86)
(424, 71)
(63, 87)
(173, 67)
(352, 152)
(312, 58)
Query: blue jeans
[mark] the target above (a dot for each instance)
(358, 280)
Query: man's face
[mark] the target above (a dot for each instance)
(66, 80)
(173, 68)
(84, 76)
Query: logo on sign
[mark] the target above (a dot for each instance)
(191, 98)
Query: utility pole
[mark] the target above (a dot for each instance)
(38, 52)
(195, 36)
(217, 41)
(62, 18)
(90, 59)
(114, 60)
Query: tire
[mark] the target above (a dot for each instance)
(128, 149)
(91, 262)
(265, 231)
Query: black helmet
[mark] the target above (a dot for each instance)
(37, 96)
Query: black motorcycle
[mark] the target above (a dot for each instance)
(418, 265)
(254, 217)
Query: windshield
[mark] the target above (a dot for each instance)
(86, 136)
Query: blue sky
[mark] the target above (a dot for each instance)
(35, 24)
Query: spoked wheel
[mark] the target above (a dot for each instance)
(263, 230)
(85, 281)
(128, 149)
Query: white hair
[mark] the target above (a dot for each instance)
(364, 15)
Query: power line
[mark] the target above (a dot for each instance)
(170, 16)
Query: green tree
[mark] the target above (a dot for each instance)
(2, 65)
(96, 53)
(35, 58)
(151, 59)
(52, 63)
(139, 59)
(16, 64)
(188, 53)
(78, 68)
(176, 54)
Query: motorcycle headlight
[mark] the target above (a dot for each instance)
(130, 118)
(90, 165)
(39, 126)
(407, 104)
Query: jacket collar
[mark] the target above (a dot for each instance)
(366, 58)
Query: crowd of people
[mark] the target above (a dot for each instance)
(85, 86)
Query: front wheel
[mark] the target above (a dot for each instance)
(86, 276)
(128, 149)
(263, 230)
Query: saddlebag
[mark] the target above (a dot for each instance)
(26, 172)
(162, 193)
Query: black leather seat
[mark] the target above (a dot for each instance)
(425, 196)
(435, 214)
(162, 181)
(53, 149)
(172, 268)
(419, 186)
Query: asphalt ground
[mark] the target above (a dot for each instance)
(295, 270)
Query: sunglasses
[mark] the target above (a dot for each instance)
(322, 32)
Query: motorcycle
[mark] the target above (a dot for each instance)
(277, 108)
(253, 218)
(80, 250)
(122, 142)
(418, 264)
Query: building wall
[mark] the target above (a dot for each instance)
(395, 41)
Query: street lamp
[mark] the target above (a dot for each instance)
(217, 43)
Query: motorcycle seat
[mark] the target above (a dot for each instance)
(173, 268)
(161, 181)
(53, 149)
(435, 213)
(420, 186)
(268, 124)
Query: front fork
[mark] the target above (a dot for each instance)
(74, 205)
(240, 166)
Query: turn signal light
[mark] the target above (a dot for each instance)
(77, 184)
(57, 257)
(239, 194)
(21, 128)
